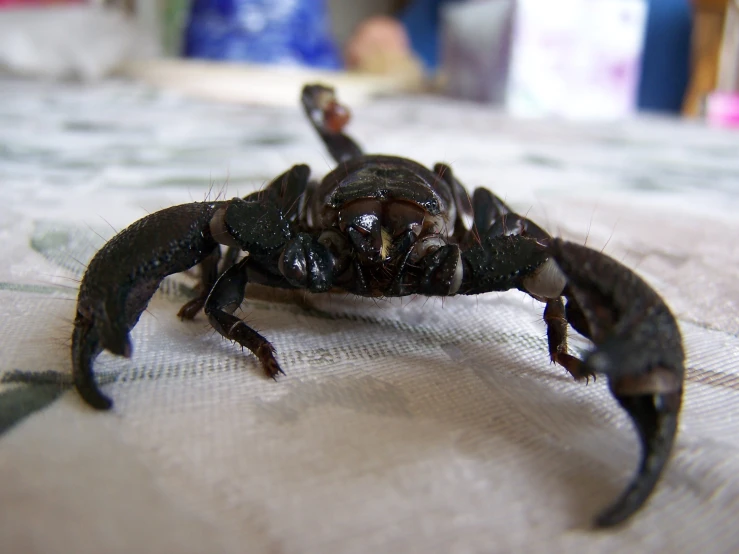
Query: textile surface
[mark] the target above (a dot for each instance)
(414, 426)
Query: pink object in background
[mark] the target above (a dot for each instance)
(722, 109)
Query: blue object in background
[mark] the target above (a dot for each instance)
(284, 32)
(666, 58)
(421, 19)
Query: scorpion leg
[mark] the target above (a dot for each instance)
(226, 296)
(493, 216)
(329, 118)
(465, 215)
(208, 277)
(491, 213)
(121, 279)
(638, 347)
(556, 320)
(285, 191)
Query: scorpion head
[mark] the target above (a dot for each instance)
(374, 228)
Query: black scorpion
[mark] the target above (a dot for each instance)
(385, 226)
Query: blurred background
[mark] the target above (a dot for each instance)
(574, 59)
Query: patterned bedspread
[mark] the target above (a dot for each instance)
(414, 426)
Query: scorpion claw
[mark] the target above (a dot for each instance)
(85, 348)
(123, 276)
(637, 346)
(655, 418)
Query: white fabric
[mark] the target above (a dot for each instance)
(414, 426)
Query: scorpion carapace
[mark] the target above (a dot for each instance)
(381, 225)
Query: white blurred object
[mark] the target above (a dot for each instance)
(84, 42)
(578, 59)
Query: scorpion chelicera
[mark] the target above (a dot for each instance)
(385, 226)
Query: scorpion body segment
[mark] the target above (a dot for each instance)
(381, 225)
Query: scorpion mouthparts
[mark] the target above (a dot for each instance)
(655, 417)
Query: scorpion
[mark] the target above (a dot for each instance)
(386, 226)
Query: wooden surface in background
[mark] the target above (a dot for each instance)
(708, 30)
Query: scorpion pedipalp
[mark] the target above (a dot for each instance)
(637, 346)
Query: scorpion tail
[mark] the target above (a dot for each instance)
(637, 346)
